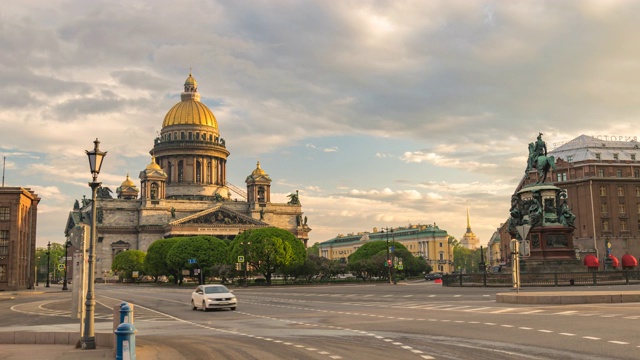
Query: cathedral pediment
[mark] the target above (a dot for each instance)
(217, 215)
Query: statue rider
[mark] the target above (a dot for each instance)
(537, 149)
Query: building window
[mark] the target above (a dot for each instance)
(619, 173)
(636, 173)
(569, 158)
(183, 136)
(562, 176)
(623, 225)
(440, 244)
(615, 157)
(597, 156)
(441, 256)
(603, 191)
(198, 172)
(605, 225)
(622, 208)
(3, 273)
(620, 191)
(600, 172)
(638, 208)
(5, 213)
(4, 242)
(603, 208)
(633, 157)
(154, 191)
(180, 171)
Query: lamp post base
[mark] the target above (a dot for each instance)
(88, 344)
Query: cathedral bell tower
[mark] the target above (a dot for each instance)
(153, 180)
(258, 188)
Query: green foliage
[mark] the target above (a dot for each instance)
(206, 250)
(155, 263)
(267, 250)
(126, 262)
(314, 249)
(56, 257)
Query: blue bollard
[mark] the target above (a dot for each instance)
(126, 315)
(125, 342)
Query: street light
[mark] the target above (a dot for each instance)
(393, 257)
(66, 250)
(389, 264)
(244, 245)
(95, 163)
(48, 266)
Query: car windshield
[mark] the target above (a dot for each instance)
(215, 290)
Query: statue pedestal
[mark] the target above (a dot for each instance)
(551, 243)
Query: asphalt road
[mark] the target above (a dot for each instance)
(417, 320)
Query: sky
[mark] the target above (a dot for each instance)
(380, 113)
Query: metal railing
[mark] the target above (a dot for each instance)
(587, 278)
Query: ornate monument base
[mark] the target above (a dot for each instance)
(551, 243)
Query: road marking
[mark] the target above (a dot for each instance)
(507, 326)
(545, 331)
(619, 342)
(532, 312)
(525, 328)
(502, 310)
(590, 338)
(477, 309)
(565, 313)
(567, 334)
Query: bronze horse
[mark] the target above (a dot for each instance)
(542, 163)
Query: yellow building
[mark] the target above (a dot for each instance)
(428, 241)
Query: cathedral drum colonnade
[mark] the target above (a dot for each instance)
(183, 192)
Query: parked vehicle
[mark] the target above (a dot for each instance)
(213, 297)
(433, 276)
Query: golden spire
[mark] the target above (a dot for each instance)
(468, 222)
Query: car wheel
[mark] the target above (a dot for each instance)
(204, 306)
(233, 308)
(193, 306)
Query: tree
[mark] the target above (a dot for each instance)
(56, 257)
(155, 263)
(205, 250)
(126, 262)
(268, 250)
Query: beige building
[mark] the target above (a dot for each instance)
(183, 191)
(428, 241)
(18, 219)
(469, 239)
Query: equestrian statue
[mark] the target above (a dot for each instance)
(539, 160)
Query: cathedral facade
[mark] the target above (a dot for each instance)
(183, 192)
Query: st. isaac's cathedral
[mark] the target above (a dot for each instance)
(183, 192)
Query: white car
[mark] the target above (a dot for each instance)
(213, 297)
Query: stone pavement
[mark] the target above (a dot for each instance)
(44, 346)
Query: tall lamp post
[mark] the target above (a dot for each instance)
(388, 259)
(66, 262)
(48, 266)
(393, 257)
(95, 163)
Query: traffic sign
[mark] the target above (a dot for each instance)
(240, 259)
(60, 266)
(192, 261)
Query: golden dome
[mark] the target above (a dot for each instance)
(190, 81)
(153, 165)
(127, 183)
(258, 171)
(190, 111)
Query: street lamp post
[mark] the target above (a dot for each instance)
(66, 251)
(95, 162)
(48, 266)
(388, 259)
(393, 257)
(244, 245)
